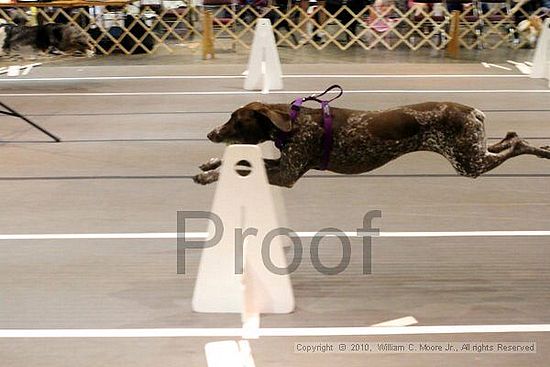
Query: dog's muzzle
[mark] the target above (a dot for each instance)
(214, 136)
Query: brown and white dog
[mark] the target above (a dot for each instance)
(531, 29)
(366, 140)
(50, 37)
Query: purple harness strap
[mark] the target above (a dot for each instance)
(295, 109)
(327, 138)
(282, 137)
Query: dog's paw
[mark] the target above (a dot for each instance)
(544, 152)
(55, 51)
(511, 135)
(213, 163)
(206, 178)
(200, 179)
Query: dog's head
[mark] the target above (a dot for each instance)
(532, 24)
(70, 39)
(252, 124)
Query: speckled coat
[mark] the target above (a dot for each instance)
(366, 140)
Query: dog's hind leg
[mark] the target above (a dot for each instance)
(504, 143)
(526, 148)
(476, 162)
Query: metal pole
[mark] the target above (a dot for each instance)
(14, 113)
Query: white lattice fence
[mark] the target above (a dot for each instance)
(111, 32)
(371, 27)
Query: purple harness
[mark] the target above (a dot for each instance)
(327, 122)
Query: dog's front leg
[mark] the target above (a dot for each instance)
(271, 164)
(210, 173)
(207, 177)
(283, 177)
(280, 172)
(278, 177)
(212, 163)
(289, 168)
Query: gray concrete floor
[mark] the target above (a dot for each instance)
(126, 164)
(309, 55)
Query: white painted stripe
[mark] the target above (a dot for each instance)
(523, 68)
(273, 332)
(498, 66)
(407, 76)
(467, 234)
(403, 321)
(204, 235)
(100, 236)
(287, 76)
(236, 93)
(29, 67)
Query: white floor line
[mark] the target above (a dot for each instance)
(287, 76)
(273, 332)
(204, 235)
(298, 92)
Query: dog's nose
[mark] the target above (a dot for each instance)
(213, 136)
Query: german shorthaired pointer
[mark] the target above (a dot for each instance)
(363, 141)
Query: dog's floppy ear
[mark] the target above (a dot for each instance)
(279, 118)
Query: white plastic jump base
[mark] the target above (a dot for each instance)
(541, 60)
(237, 202)
(264, 71)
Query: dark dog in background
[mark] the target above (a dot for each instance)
(275, 15)
(366, 140)
(280, 24)
(50, 37)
